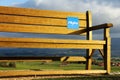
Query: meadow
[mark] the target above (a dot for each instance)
(57, 65)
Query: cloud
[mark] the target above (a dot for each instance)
(103, 10)
(113, 3)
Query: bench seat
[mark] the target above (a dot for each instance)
(50, 43)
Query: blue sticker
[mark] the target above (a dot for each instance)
(72, 23)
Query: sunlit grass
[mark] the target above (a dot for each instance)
(56, 65)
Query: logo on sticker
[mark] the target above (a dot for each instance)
(72, 23)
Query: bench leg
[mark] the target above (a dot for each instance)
(107, 50)
(107, 56)
(88, 59)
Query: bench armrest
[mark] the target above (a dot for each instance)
(97, 27)
(102, 26)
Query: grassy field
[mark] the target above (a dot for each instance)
(43, 66)
(56, 65)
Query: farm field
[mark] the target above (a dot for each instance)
(56, 65)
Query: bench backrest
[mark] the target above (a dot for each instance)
(39, 21)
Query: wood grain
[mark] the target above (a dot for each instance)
(37, 29)
(51, 72)
(36, 20)
(37, 13)
(48, 45)
(48, 40)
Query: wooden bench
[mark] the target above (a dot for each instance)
(22, 20)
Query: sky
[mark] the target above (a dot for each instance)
(103, 11)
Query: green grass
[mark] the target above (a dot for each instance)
(115, 69)
(53, 66)
(56, 66)
(40, 65)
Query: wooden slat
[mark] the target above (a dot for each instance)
(45, 40)
(48, 45)
(51, 72)
(36, 20)
(44, 13)
(37, 29)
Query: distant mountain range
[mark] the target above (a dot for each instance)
(56, 52)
